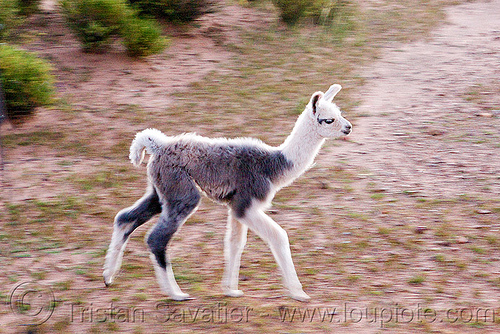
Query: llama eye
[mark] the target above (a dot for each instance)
(326, 120)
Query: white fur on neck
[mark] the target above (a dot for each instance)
(301, 146)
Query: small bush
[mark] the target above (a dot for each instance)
(95, 22)
(28, 7)
(291, 11)
(143, 38)
(9, 19)
(333, 13)
(11, 14)
(26, 81)
(178, 11)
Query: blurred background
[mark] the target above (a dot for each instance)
(395, 229)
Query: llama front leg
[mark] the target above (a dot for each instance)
(277, 239)
(234, 242)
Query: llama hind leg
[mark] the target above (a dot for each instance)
(234, 242)
(181, 202)
(157, 241)
(126, 221)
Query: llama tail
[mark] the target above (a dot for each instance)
(150, 140)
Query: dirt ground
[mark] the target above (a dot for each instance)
(416, 97)
(410, 224)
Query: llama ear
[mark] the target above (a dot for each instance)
(331, 92)
(314, 101)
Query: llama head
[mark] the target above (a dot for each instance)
(328, 121)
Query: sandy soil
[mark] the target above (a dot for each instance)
(430, 128)
(415, 97)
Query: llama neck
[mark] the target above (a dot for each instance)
(301, 146)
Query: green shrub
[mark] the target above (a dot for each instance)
(95, 22)
(11, 14)
(143, 37)
(178, 11)
(291, 11)
(26, 81)
(9, 19)
(28, 7)
(334, 13)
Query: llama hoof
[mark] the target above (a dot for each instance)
(233, 293)
(301, 296)
(107, 281)
(180, 297)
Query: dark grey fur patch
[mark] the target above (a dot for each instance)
(180, 198)
(236, 174)
(229, 172)
(139, 213)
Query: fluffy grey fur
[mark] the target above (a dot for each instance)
(233, 172)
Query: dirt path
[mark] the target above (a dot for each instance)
(428, 128)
